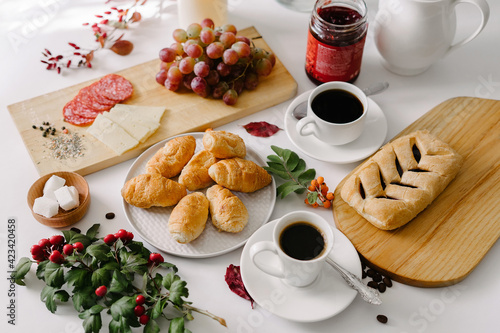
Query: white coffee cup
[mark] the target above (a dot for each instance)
(333, 131)
(295, 272)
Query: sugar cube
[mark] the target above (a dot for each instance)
(67, 197)
(52, 184)
(45, 206)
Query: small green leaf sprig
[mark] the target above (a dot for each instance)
(287, 165)
(101, 277)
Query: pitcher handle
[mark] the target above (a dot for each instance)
(483, 7)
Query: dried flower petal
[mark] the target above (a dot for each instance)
(261, 129)
(136, 17)
(48, 52)
(235, 283)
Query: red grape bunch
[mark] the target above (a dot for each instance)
(213, 62)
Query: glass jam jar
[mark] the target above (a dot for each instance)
(337, 33)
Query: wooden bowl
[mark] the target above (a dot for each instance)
(62, 218)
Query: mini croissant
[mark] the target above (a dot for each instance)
(195, 174)
(227, 210)
(149, 190)
(188, 219)
(224, 144)
(169, 160)
(240, 175)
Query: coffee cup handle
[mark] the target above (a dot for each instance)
(269, 269)
(301, 126)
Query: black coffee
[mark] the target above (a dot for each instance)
(302, 241)
(337, 106)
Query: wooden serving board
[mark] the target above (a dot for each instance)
(446, 241)
(186, 112)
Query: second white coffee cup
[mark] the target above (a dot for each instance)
(336, 113)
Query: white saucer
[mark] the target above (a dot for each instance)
(372, 138)
(324, 298)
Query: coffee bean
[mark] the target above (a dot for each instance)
(110, 216)
(363, 274)
(371, 273)
(381, 287)
(382, 319)
(373, 284)
(377, 277)
(387, 281)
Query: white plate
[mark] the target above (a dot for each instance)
(151, 223)
(326, 297)
(372, 138)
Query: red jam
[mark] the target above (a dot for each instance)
(335, 42)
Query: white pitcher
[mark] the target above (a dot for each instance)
(411, 35)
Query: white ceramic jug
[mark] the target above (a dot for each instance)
(411, 35)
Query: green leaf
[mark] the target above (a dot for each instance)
(277, 150)
(61, 295)
(72, 237)
(277, 166)
(275, 159)
(47, 296)
(101, 277)
(151, 327)
(299, 168)
(158, 308)
(169, 279)
(22, 268)
(92, 322)
(292, 161)
(124, 307)
(84, 298)
(177, 291)
(168, 266)
(281, 174)
(77, 277)
(54, 275)
(307, 176)
(99, 251)
(176, 325)
(40, 270)
(118, 283)
(119, 325)
(312, 197)
(285, 189)
(132, 262)
(93, 231)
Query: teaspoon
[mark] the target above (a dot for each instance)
(301, 110)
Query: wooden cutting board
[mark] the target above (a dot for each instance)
(186, 112)
(445, 242)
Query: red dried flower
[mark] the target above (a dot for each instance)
(235, 283)
(261, 129)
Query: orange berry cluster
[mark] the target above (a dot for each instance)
(322, 197)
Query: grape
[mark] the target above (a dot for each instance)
(238, 85)
(174, 75)
(242, 48)
(177, 47)
(229, 28)
(230, 97)
(208, 23)
(207, 35)
(230, 57)
(215, 50)
(186, 81)
(193, 30)
(167, 54)
(172, 86)
(180, 35)
(201, 69)
(212, 78)
(271, 57)
(188, 43)
(164, 65)
(243, 39)
(186, 65)
(227, 38)
(223, 69)
(200, 86)
(194, 50)
(161, 76)
(220, 89)
(263, 67)
(251, 81)
(258, 53)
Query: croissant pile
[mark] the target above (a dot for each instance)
(220, 166)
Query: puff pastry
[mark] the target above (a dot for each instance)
(195, 174)
(224, 144)
(147, 190)
(169, 160)
(240, 175)
(401, 180)
(227, 210)
(188, 219)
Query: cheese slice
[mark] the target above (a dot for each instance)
(112, 135)
(154, 113)
(137, 129)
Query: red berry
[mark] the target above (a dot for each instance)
(36, 250)
(78, 246)
(38, 257)
(68, 249)
(144, 319)
(156, 258)
(56, 257)
(139, 310)
(122, 234)
(130, 236)
(101, 291)
(56, 240)
(44, 242)
(140, 300)
(109, 239)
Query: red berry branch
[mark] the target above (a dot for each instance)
(104, 32)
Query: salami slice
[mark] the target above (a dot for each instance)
(95, 92)
(115, 87)
(86, 98)
(75, 119)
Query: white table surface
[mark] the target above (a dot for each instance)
(474, 70)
